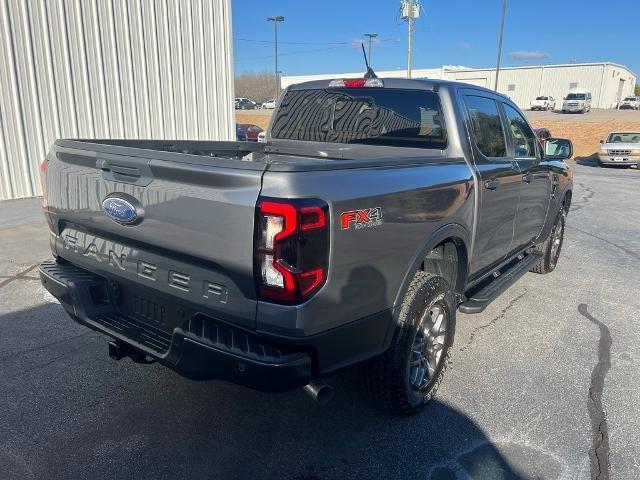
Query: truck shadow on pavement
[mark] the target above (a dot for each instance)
(588, 161)
(68, 411)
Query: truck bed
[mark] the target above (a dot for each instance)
(246, 155)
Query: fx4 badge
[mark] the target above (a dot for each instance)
(369, 217)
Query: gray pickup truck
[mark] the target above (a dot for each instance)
(376, 209)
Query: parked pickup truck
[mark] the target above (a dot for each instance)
(376, 209)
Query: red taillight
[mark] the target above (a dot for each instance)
(43, 180)
(291, 251)
(354, 82)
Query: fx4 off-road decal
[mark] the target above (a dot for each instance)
(369, 217)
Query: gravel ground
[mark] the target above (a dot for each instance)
(543, 384)
(588, 129)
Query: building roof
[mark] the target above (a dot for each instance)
(417, 72)
(553, 65)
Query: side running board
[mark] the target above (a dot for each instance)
(479, 300)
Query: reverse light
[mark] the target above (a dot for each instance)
(291, 249)
(356, 82)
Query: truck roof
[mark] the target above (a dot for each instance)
(406, 83)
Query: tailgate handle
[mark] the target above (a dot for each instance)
(115, 171)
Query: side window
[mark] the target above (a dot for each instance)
(524, 140)
(487, 127)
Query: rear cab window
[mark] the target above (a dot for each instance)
(486, 126)
(522, 137)
(369, 116)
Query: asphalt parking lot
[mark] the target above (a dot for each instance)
(543, 385)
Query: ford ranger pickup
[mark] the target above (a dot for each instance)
(375, 210)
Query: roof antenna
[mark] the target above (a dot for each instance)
(370, 73)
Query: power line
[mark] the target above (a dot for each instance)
(293, 53)
(255, 40)
(352, 42)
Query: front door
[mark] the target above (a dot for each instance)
(535, 193)
(499, 186)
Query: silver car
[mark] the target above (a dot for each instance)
(577, 102)
(620, 148)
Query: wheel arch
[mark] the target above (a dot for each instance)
(450, 234)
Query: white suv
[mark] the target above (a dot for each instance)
(630, 102)
(577, 102)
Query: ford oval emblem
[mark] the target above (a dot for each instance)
(119, 210)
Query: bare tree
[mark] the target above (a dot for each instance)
(256, 86)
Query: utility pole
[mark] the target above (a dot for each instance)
(275, 21)
(371, 37)
(504, 11)
(409, 12)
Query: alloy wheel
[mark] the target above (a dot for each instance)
(428, 346)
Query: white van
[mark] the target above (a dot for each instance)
(577, 101)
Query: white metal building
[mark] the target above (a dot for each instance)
(109, 69)
(608, 82)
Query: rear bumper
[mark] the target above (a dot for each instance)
(607, 160)
(205, 348)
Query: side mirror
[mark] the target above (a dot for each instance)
(601, 141)
(558, 149)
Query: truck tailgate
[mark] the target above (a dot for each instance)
(194, 237)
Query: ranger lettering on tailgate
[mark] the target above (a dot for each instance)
(118, 256)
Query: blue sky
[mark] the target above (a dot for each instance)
(320, 36)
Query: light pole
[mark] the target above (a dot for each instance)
(504, 10)
(371, 37)
(275, 21)
(410, 12)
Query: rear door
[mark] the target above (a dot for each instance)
(535, 179)
(193, 239)
(499, 181)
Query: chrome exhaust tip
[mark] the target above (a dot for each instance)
(321, 392)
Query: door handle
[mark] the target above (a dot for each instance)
(491, 184)
(527, 177)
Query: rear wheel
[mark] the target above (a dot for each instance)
(406, 377)
(551, 247)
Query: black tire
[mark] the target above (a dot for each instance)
(549, 249)
(394, 380)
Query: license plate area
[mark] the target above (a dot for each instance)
(152, 309)
(620, 159)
